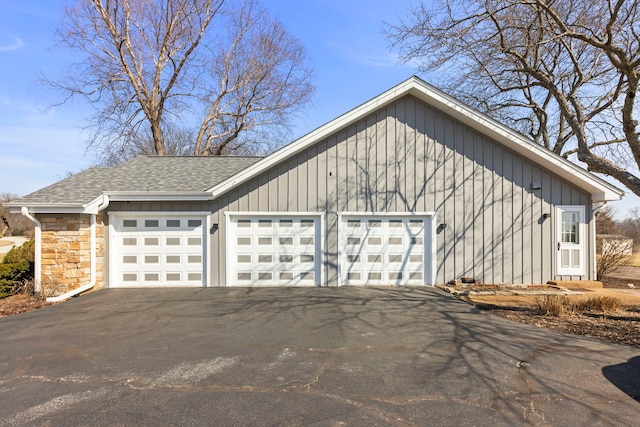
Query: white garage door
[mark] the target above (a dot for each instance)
(156, 250)
(270, 250)
(385, 250)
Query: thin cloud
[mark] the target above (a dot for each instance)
(17, 44)
(364, 54)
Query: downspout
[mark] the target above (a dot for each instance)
(37, 267)
(594, 210)
(92, 281)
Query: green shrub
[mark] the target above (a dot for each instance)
(19, 254)
(13, 277)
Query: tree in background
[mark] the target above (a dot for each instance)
(605, 224)
(224, 70)
(630, 227)
(13, 224)
(564, 73)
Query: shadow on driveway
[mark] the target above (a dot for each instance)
(625, 376)
(302, 356)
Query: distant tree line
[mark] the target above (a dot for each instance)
(628, 227)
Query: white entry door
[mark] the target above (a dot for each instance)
(571, 238)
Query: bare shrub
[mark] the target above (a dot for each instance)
(552, 305)
(601, 303)
(615, 254)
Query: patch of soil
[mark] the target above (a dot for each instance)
(621, 283)
(622, 277)
(19, 304)
(622, 327)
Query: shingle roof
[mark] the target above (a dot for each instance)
(142, 174)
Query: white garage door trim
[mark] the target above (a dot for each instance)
(429, 253)
(114, 249)
(231, 221)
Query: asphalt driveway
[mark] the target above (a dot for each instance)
(300, 357)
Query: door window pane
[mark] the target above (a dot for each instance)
(570, 227)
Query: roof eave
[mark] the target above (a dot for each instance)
(93, 207)
(158, 196)
(45, 208)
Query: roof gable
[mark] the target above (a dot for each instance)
(599, 189)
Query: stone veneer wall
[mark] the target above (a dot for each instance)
(66, 252)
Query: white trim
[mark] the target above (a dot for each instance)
(57, 208)
(37, 251)
(430, 248)
(206, 257)
(383, 214)
(434, 246)
(229, 238)
(159, 213)
(227, 248)
(599, 189)
(339, 251)
(158, 196)
(274, 213)
(115, 196)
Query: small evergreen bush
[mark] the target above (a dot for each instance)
(16, 269)
(13, 276)
(23, 253)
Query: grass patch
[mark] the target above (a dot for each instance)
(557, 305)
(635, 260)
(602, 303)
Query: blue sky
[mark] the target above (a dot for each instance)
(41, 145)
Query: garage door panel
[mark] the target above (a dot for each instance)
(274, 251)
(384, 250)
(155, 250)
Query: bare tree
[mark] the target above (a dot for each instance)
(563, 72)
(605, 223)
(224, 69)
(13, 224)
(630, 227)
(177, 142)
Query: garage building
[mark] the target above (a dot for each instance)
(410, 188)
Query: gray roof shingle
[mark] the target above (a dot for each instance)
(142, 174)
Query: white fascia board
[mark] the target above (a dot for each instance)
(273, 214)
(388, 214)
(157, 196)
(137, 214)
(49, 208)
(449, 105)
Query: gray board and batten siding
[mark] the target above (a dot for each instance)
(409, 157)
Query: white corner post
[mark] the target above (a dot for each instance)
(37, 262)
